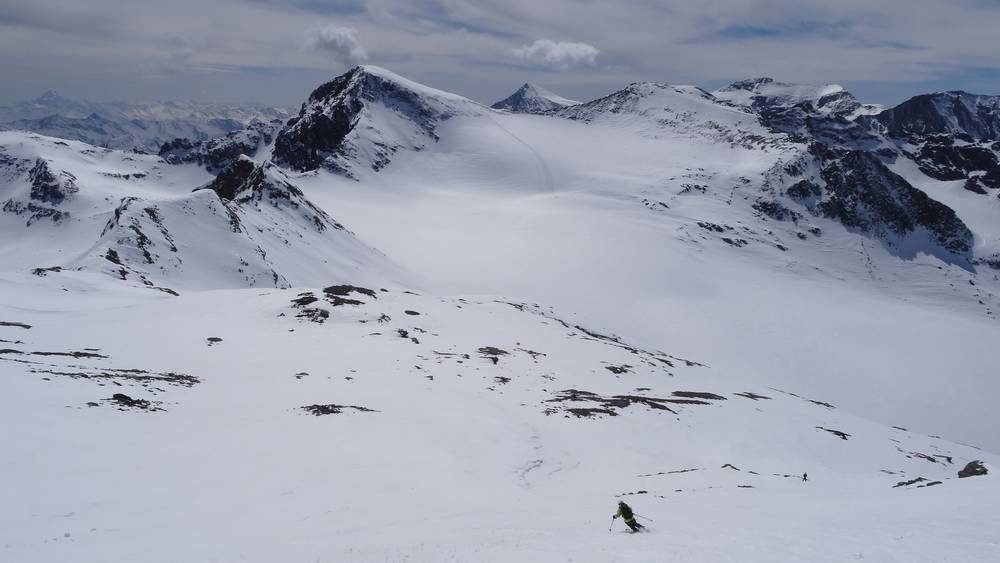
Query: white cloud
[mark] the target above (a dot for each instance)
(561, 55)
(342, 42)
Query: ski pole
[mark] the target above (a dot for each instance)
(612, 523)
(643, 517)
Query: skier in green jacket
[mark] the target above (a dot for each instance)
(625, 511)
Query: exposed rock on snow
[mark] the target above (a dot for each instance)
(688, 111)
(361, 118)
(797, 109)
(944, 113)
(216, 154)
(320, 410)
(973, 469)
(862, 193)
(124, 402)
(48, 189)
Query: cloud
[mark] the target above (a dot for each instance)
(560, 55)
(177, 52)
(341, 42)
(877, 49)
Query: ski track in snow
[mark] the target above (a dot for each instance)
(546, 175)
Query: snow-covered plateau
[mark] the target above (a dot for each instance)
(405, 326)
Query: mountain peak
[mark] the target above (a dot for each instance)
(750, 83)
(367, 98)
(532, 98)
(752, 90)
(50, 96)
(371, 80)
(952, 112)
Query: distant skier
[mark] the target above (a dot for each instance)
(805, 476)
(625, 511)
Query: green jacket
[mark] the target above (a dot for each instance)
(625, 512)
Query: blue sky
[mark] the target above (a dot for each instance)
(276, 51)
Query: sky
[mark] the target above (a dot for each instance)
(277, 51)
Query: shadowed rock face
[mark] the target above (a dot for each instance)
(319, 129)
(863, 193)
(947, 113)
(245, 183)
(216, 154)
(955, 134)
(48, 187)
(321, 135)
(941, 158)
(231, 180)
(823, 113)
(854, 186)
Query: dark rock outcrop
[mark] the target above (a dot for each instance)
(944, 113)
(232, 179)
(862, 193)
(245, 183)
(826, 113)
(973, 469)
(216, 154)
(321, 134)
(48, 187)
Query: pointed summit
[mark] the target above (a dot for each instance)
(358, 120)
(532, 98)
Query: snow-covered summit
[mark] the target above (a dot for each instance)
(827, 111)
(657, 109)
(767, 94)
(364, 116)
(531, 98)
(751, 91)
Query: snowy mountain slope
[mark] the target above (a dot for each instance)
(531, 98)
(664, 109)
(681, 213)
(128, 126)
(135, 218)
(360, 119)
(491, 431)
(652, 310)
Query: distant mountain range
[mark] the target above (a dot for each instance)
(131, 126)
(822, 153)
